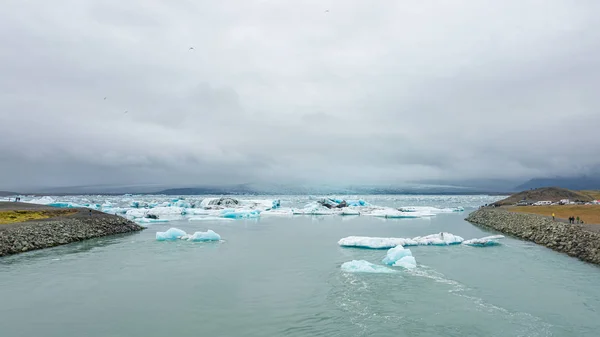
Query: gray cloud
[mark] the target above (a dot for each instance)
(370, 92)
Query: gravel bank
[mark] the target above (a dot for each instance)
(45, 233)
(562, 237)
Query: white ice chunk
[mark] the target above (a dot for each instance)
(41, 201)
(147, 220)
(175, 233)
(427, 209)
(362, 266)
(240, 213)
(278, 212)
(485, 241)
(210, 218)
(440, 239)
(204, 236)
(396, 214)
(171, 234)
(407, 262)
(263, 204)
(374, 242)
(395, 254)
(349, 211)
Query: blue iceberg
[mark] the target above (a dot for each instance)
(400, 257)
(440, 239)
(175, 234)
(484, 242)
(239, 214)
(64, 205)
(171, 234)
(204, 236)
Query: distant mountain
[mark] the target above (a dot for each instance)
(572, 183)
(7, 194)
(495, 185)
(320, 190)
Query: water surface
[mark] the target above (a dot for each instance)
(280, 276)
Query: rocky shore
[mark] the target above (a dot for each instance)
(577, 241)
(45, 233)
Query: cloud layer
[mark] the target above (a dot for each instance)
(372, 92)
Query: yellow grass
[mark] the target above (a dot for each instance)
(591, 193)
(590, 214)
(7, 217)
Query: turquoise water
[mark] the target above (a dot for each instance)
(280, 276)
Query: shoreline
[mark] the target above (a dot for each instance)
(19, 237)
(572, 239)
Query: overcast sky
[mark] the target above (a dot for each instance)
(370, 92)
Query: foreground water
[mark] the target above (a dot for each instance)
(281, 276)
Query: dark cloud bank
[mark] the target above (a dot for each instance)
(374, 93)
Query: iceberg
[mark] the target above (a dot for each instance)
(147, 220)
(391, 213)
(65, 205)
(240, 214)
(440, 239)
(395, 254)
(204, 236)
(210, 218)
(349, 211)
(171, 234)
(41, 201)
(362, 266)
(175, 233)
(277, 212)
(484, 242)
(266, 204)
(210, 202)
(433, 210)
(400, 257)
(374, 242)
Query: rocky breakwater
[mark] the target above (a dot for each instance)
(577, 241)
(45, 233)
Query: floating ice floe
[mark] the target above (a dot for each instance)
(440, 239)
(484, 242)
(64, 205)
(41, 201)
(240, 214)
(209, 235)
(373, 242)
(177, 234)
(148, 220)
(170, 234)
(400, 257)
(141, 212)
(210, 218)
(362, 266)
(278, 212)
(391, 213)
(426, 209)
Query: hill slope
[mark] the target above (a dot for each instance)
(573, 183)
(546, 193)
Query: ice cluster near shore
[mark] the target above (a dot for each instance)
(151, 209)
